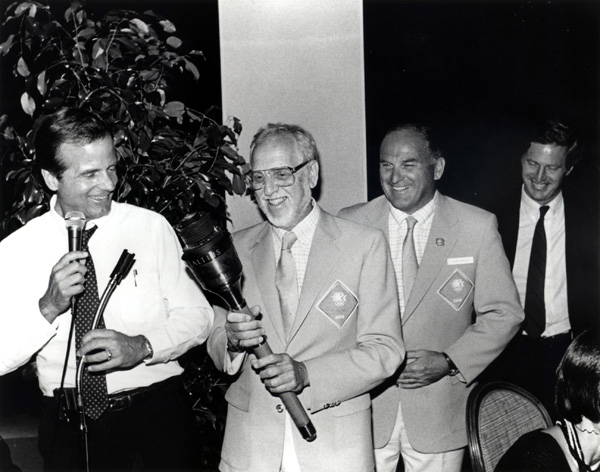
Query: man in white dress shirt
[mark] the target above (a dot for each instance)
(565, 269)
(137, 417)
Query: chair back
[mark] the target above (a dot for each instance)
(498, 413)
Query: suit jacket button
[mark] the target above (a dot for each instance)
(280, 408)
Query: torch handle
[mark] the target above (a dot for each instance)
(289, 399)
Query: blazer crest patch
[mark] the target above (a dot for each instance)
(456, 289)
(338, 303)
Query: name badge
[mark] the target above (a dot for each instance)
(456, 289)
(460, 260)
(338, 303)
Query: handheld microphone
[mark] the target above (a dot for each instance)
(75, 222)
(209, 253)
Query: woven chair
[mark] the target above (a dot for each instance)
(498, 413)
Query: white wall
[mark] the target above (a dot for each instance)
(299, 62)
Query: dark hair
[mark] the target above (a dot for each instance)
(558, 133)
(67, 125)
(304, 140)
(578, 379)
(424, 131)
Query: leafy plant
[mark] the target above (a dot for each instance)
(129, 68)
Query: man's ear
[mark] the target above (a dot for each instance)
(438, 169)
(313, 173)
(50, 179)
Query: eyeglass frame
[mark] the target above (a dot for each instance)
(266, 172)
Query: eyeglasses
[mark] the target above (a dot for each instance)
(281, 176)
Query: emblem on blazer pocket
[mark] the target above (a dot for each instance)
(338, 303)
(456, 289)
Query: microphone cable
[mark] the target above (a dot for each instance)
(120, 271)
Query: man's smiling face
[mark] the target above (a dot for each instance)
(89, 179)
(408, 170)
(543, 168)
(284, 207)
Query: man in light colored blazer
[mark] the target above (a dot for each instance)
(341, 338)
(459, 309)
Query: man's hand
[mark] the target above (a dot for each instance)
(66, 280)
(422, 368)
(243, 331)
(280, 373)
(106, 349)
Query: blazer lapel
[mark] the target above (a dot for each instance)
(440, 242)
(263, 263)
(323, 257)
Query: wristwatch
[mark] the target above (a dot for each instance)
(451, 365)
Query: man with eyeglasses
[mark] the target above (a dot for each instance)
(323, 292)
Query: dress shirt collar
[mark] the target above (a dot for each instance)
(533, 208)
(304, 230)
(421, 215)
(89, 224)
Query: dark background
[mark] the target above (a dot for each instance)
(482, 73)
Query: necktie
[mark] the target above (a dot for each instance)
(286, 281)
(535, 309)
(409, 259)
(93, 385)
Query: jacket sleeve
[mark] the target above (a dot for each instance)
(498, 312)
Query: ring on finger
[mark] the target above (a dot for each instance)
(109, 356)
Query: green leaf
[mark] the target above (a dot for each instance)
(22, 8)
(140, 25)
(41, 83)
(52, 104)
(174, 42)
(5, 46)
(22, 68)
(27, 103)
(167, 26)
(192, 68)
(239, 184)
(174, 109)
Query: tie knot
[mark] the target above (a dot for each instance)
(543, 210)
(411, 221)
(288, 240)
(87, 234)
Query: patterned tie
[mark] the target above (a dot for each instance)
(409, 259)
(535, 308)
(286, 281)
(93, 385)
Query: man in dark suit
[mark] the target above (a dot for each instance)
(557, 279)
(458, 301)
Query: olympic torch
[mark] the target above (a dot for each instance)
(209, 253)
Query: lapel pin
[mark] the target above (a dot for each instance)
(439, 242)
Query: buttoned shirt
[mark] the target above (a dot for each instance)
(397, 232)
(555, 286)
(304, 231)
(157, 299)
